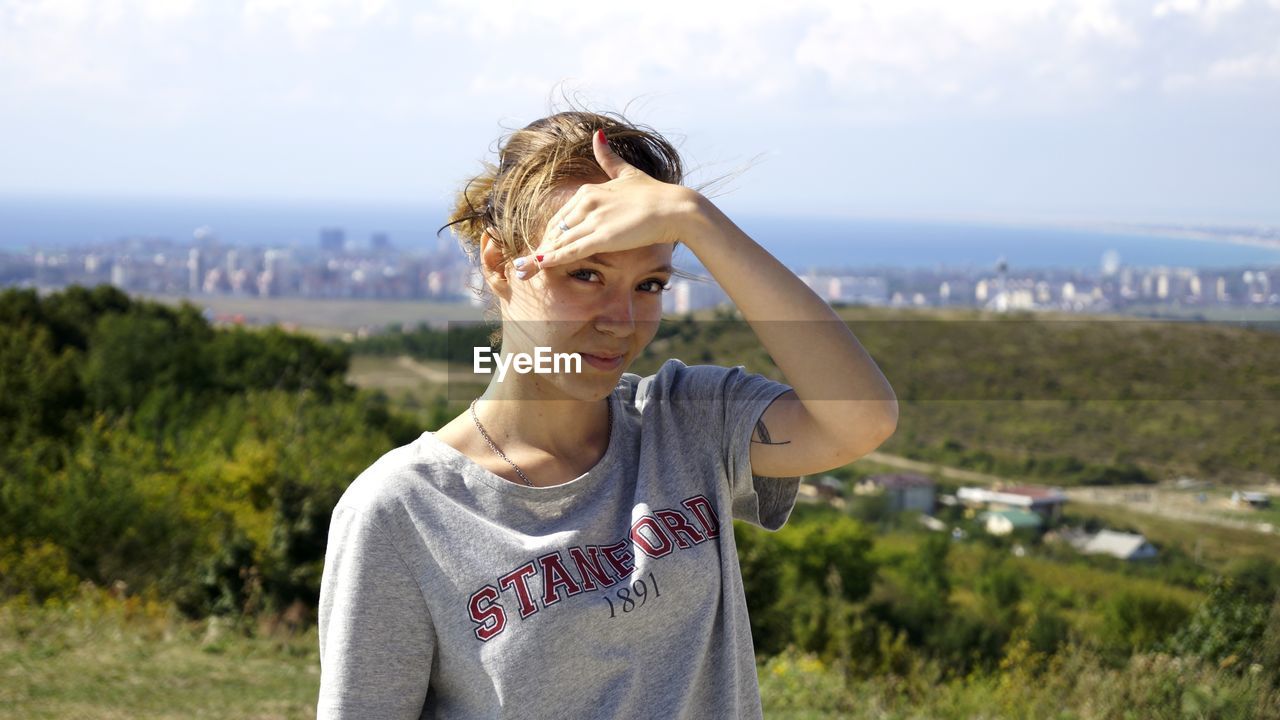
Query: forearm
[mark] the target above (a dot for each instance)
(816, 351)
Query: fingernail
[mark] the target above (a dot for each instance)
(603, 139)
(539, 257)
(520, 261)
(522, 274)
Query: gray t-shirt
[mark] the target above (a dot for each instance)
(450, 592)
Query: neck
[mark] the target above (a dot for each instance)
(528, 416)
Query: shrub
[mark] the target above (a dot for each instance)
(35, 572)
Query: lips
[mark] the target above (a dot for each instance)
(602, 362)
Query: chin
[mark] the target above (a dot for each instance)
(597, 387)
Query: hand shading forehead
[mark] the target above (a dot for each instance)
(653, 259)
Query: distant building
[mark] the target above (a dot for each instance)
(829, 487)
(195, 270)
(120, 273)
(1004, 522)
(1045, 501)
(862, 289)
(1257, 500)
(904, 491)
(826, 489)
(1126, 546)
(333, 240)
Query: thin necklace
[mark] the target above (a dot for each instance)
(503, 455)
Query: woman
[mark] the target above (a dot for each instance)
(565, 547)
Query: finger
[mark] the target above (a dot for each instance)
(552, 230)
(525, 267)
(612, 164)
(565, 248)
(585, 246)
(574, 213)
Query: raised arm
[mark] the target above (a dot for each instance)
(842, 407)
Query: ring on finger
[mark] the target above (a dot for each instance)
(564, 227)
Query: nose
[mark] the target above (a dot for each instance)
(617, 313)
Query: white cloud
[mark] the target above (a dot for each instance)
(304, 20)
(1098, 18)
(904, 56)
(1206, 12)
(850, 59)
(162, 11)
(1259, 67)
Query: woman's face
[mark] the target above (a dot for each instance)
(607, 306)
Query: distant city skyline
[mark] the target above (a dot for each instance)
(1053, 110)
(798, 242)
(206, 269)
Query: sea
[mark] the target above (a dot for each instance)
(801, 243)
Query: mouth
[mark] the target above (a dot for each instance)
(602, 362)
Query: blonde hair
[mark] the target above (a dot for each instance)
(511, 199)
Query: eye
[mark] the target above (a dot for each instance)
(656, 286)
(577, 274)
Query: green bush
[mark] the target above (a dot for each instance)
(797, 578)
(35, 572)
(1135, 622)
(152, 450)
(1238, 624)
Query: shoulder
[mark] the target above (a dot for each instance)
(381, 490)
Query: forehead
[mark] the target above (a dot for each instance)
(650, 258)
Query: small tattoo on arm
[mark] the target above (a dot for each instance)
(763, 433)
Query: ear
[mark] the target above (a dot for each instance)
(492, 265)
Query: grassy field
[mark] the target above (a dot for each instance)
(415, 387)
(324, 317)
(1026, 395)
(100, 658)
(103, 659)
(1002, 391)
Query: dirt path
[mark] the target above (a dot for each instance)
(429, 374)
(1167, 503)
(947, 472)
(1149, 499)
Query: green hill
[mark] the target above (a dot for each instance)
(1062, 399)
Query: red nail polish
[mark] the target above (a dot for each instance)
(539, 257)
(603, 139)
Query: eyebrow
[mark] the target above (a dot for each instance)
(599, 261)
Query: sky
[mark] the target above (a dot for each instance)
(1053, 110)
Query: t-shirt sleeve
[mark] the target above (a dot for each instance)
(723, 404)
(376, 637)
(757, 499)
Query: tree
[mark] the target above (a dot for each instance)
(1238, 624)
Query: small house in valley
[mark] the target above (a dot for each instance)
(1245, 498)
(1126, 546)
(904, 491)
(1046, 502)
